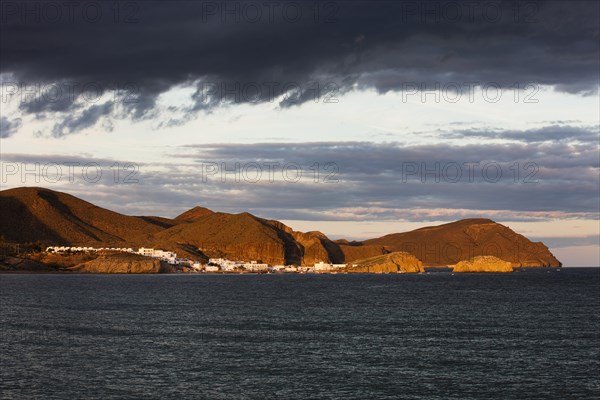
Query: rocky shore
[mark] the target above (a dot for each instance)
(124, 264)
(483, 264)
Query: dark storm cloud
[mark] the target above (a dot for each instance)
(251, 52)
(82, 120)
(9, 127)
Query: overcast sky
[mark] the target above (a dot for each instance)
(354, 118)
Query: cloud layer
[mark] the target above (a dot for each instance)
(518, 180)
(253, 52)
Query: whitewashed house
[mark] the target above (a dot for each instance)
(255, 266)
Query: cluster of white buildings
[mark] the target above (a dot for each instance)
(325, 267)
(229, 265)
(62, 249)
(223, 264)
(214, 264)
(167, 256)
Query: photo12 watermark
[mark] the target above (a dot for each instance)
(469, 12)
(71, 172)
(454, 92)
(68, 91)
(269, 172)
(69, 12)
(469, 172)
(269, 12)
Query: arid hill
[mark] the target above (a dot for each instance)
(30, 214)
(36, 214)
(462, 240)
(243, 237)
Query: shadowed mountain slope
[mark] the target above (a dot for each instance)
(243, 237)
(30, 214)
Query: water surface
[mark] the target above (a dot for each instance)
(429, 336)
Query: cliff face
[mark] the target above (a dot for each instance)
(392, 262)
(312, 247)
(483, 264)
(124, 264)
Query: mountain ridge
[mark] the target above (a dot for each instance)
(32, 214)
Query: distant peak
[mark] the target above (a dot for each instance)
(476, 221)
(317, 234)
(246, 214)
(199, 209)
(28, 189)
(469, 221)
(193, 214)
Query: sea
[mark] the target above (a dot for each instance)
(526, 335)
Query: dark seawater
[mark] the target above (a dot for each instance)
(531, 335)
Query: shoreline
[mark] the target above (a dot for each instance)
(515, 270)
